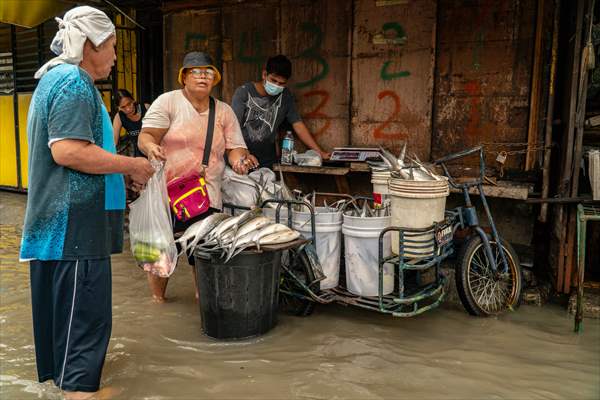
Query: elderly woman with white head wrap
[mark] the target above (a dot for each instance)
(78, 26)
(74, 217)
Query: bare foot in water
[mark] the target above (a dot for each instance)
(158, 299)
(105, 393)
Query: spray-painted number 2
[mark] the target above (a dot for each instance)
(399, 39)
(379, 133)
(317, 113)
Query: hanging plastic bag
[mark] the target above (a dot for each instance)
(151, 228)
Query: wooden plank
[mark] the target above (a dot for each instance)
(315, 34)
(359, 167)
(517, 192)
(393, 60)
(311, 170)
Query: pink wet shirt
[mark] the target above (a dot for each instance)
(186, 135)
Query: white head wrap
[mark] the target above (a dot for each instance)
(78, 24)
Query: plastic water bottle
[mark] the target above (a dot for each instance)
(287, 148)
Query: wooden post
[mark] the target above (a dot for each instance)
(536, 76)
(579, 120)
(568, 146)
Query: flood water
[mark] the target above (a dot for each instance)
(159, 352)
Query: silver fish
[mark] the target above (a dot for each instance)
(269, 230)
(280, 237)
(198, 230)
(286, 193)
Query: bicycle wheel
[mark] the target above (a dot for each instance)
(481, 291)
(291, 300)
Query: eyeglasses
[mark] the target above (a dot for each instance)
(126, 105)
(202, 72)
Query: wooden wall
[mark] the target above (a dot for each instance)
(442, 75)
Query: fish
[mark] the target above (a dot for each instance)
(425, 169)
(250, 227)
(280, 237)
(390, 159)
(198, 230)
(254, 225)
(224, 234)
(219, 229)
(280, 234)
(285, 191)
(269, 230)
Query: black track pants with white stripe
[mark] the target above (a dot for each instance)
(72, 321)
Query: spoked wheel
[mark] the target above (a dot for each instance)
(291, 300)
(481, 291)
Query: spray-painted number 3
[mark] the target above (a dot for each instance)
(313, 53)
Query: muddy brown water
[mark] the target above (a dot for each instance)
(159, 352)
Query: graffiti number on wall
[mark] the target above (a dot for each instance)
(195, 41)
(317, 113)
(256, 56)
(313, 53)
(379, 133)
(398, 39)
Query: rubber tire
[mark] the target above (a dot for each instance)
(462, 270)
(295, 306)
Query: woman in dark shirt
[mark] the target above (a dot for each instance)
(129, 118)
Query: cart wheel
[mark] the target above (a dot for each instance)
(482, 292)
(297, 305)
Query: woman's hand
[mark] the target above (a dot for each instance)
(241, 160)
(155, 152)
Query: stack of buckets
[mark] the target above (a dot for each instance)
(417, 204)
(413, 203)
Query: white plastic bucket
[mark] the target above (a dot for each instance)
(380, 180)
(417, 204)
(361, 248)
(270, 212)
(328, 237)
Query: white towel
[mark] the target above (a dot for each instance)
(78, 24)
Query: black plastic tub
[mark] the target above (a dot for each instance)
(239, 299)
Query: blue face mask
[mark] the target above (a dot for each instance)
(272, 89)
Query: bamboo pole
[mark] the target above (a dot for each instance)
(543, 217)
(536, 76)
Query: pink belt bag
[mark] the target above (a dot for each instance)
(188, 196)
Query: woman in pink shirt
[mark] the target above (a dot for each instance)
(174, 130)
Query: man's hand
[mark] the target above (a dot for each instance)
(325, 155)
(140, 171)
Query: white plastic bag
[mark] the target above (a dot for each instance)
(310, 158)
(241, 190)
(151, 228)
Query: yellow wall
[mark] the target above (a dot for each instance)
(8, 157)
(8, 148)
(24, 100)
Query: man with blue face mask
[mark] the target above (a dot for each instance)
(262, 107)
